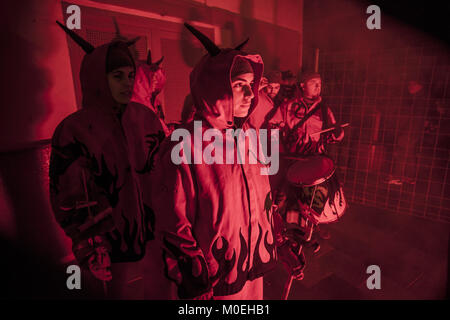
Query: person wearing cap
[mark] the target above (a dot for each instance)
(263, 115)
(273, 84)
(298, 139)
(273, 118)
(304, 115)
(288, 88)
(100, 155)
(150, 77)
(215, 219)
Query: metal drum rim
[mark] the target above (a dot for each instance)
(317, 182)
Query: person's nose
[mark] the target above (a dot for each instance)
(128, 82)
(248, 92)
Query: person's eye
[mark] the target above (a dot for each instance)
(237, 85)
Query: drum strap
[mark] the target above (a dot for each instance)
(307, 116)
(324, 110)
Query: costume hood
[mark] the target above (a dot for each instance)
(109, 144)
(210, 82)
(150, 78)
(94, 83)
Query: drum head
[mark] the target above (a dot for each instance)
(310, 171)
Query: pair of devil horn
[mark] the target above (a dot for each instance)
(86, 46)
(149, 59)
(210, 46)
(119, 36)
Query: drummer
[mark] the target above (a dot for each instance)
(301, 123)
(305, 115)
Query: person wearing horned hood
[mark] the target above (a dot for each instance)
(150, 78)
(149, 82)
(98, 161)
(215, 219)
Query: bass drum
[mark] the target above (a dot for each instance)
(316, 174)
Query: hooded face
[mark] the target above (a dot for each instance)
(215, 98)
(106, 76)
(221, 93)
(120, 81)
(242, 93)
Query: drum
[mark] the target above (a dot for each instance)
(315, 175)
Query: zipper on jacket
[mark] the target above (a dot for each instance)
(249, 207)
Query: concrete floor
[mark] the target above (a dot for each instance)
(412, 254)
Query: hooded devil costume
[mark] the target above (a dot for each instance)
(214, 219)
(149, 80)
(100, 155)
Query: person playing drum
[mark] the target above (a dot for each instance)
(301, 123)
(305, 117)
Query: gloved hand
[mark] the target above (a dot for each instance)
(99, 264)
(92, 254)
(283, 240)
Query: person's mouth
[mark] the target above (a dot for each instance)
(127, 93)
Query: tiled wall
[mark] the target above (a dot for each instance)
(396, 151)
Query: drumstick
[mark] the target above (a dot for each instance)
(288, 285)
(287, 288)
(330, 129)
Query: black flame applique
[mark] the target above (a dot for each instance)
(258, 265)
(61, 159)
(268, 205)
(191, 286)
(106, 180)
(225, 267)
(119, 237)
(106, 184)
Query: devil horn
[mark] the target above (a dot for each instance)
(159, 61)
(116, 26)
(132, 41)
(239, 47)
(86, 46)
(149, 57)
(207, 43)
